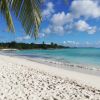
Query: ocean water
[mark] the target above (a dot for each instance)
(89, 56)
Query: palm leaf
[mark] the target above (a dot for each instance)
(6, 13)
(27, 11)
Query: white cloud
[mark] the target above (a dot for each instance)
(92, 30)
(87, 8)
(23, 38)
(90, 44)
(62, 22)
(54, 29)
(42, 35)
(97, 44)
(69, 27)
(58, 29)
(64, 42)
(81, 44)
(47, 30)
(60, 26)
(61, 18)
(59, 23)
(49, 10)
(71, 43)
(81, 25)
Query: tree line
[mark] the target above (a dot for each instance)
(15, 45)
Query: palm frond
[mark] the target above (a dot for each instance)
(27, 11)
(29, 14)
(4, 8)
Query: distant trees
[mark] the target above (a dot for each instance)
(54, 45)
(44, 46)
(12, 44)
(15, 45)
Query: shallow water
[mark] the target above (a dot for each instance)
(89, 56)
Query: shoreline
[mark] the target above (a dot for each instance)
(22, 74)
(81, 68)
(52, 67)
(70, 68)
(61, 63)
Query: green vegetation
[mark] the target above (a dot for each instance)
(27, 12)
(15, 45)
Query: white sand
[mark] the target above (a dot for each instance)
(21, 79)
(8, 49)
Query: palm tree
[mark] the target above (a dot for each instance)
(27, 11)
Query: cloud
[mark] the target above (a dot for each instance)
(71, 43)
(49, 10)
(54, 29)
(81, 25)
(97, 44)
(94, 44)
(61, 18)
(81, 44)
(64, 42)
(23, 38)
(69, 27)
(42, 35)
(92, 30)
(60, 26)
(86, 8)
(47, 30)
(58, 29)
(58, 23)
(61, 22)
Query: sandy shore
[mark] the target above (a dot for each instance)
(21, 79)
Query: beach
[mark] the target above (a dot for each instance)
(23, 79)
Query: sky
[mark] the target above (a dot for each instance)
(67, 22)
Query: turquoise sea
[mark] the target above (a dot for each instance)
(89, 56)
